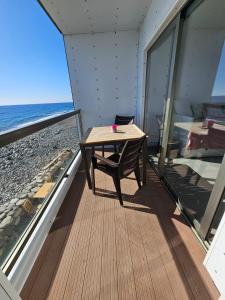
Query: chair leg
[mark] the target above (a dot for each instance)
(93, 179)
(137, 176)
(116, 181)
(103, 151)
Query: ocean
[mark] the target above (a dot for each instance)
(14, 116)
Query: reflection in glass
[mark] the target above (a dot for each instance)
(197, 138)
(157, 81)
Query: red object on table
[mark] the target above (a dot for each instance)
(114, 128)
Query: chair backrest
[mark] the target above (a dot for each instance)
(124, 120)
(130, 156)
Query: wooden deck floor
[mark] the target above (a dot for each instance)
(99, 250)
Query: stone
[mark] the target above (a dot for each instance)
(17, 220)
(30, 195)
(2, 216)
(18, 212)
(10, 213)
(10, 206)
(20, 202)
(59, 164)
(39, 181)
(14, 200)
(2, 243)
(6, 222)
(2, 209)
(22, 196)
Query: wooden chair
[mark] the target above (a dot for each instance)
(120, 120)
(124, 120)
(119, 166)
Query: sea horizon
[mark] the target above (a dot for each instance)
(17, 115)
(39, 103)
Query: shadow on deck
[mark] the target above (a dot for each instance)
(97, 249)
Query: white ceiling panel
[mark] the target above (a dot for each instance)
(92, 16)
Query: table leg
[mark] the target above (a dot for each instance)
(85, 160)
(144, 162)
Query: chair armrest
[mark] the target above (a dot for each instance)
(105, 160)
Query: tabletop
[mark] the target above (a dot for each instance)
(104, 135)
(194, 127)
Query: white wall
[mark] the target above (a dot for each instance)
(103, 73)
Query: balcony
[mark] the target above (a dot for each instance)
(98, 249)
(145, 59)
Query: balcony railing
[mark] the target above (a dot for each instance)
(34, 160)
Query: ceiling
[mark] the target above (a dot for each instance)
(91, 16)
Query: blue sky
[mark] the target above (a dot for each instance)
(33, 66)
(219, 86)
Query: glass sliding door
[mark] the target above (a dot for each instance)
(196, 143)
(158, 77)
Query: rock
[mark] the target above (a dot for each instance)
(10, 206)
(1, 251)
(22, 196)
(30, 195)
(2, 243)
(59, 164)
(18, 212)
(2, 209)
(35, 189)
(10, 213)
(20, 202)
(39, 181)
(14, 200)
(17, 220)
(5, 222)
(2, 216)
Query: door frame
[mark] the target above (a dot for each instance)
(175, 25)
(214, 201)
(6, 288)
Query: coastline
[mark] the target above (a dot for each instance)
(22, 125)
(23, 159)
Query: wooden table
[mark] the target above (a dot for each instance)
(195, 127)
(99, 136)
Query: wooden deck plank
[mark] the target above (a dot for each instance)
(68, 282)
(143, 280)
(92, 279)
(61, 279)
(109, 288)
(143, 250)
(47, 262)
(182, 244)
(126, 281)
(161, 261)
(147, 236)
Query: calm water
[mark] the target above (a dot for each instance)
(13, 116)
